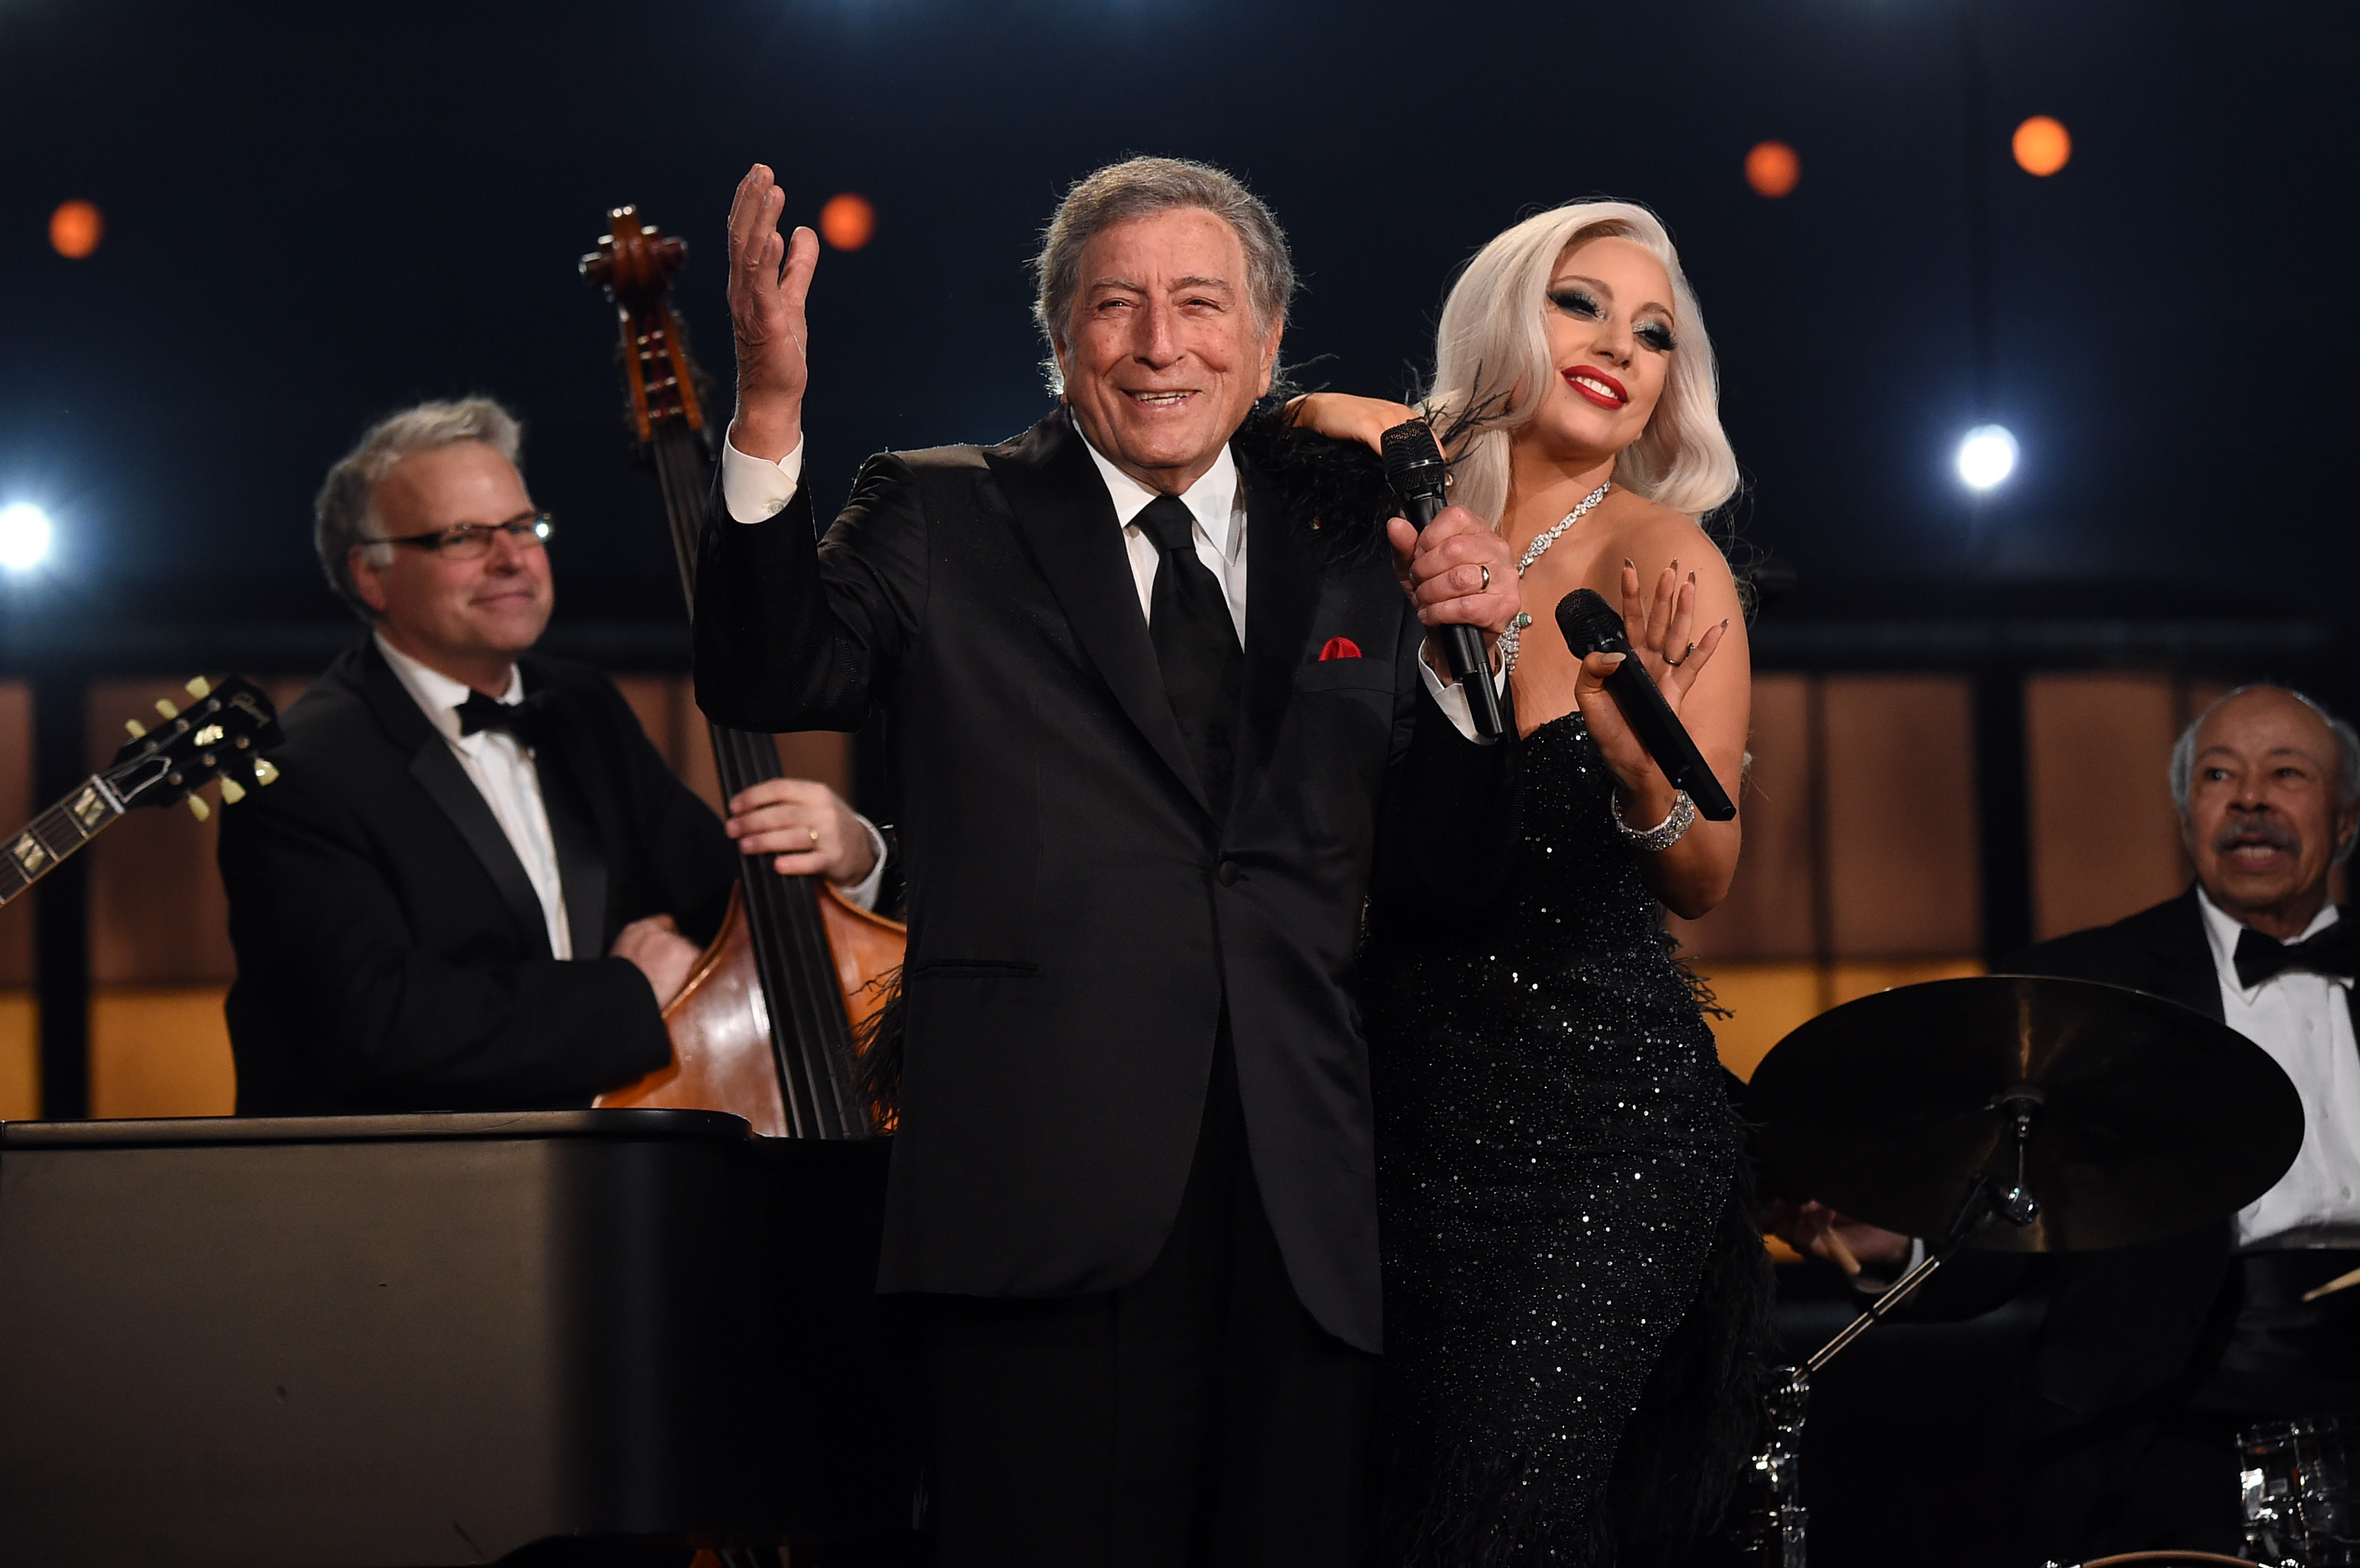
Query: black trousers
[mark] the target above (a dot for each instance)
(1198, 1417)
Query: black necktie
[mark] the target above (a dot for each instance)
(2334, 952)
(1195, 645)
(527, 720)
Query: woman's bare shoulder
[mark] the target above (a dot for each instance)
(1653, 534)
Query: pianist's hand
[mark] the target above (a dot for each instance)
(806, 826)
(661, 953)
(1816, 1231)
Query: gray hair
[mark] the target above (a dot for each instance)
(345, 512)
(1139, 187)
(1491, 359)
(2347, 754)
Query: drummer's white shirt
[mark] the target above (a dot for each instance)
(2304, 1021)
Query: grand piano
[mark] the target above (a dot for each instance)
(396, 1341)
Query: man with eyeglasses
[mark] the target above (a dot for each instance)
(476, 884)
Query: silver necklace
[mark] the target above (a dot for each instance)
(1509, 638)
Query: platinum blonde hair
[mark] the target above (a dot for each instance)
(344, 514)
(1139, 187)
(2347, 754)
(1491, 358)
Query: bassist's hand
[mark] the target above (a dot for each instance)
(769, 277)
(804, 823)
(656, 947)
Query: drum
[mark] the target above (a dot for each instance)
(2302, 1508)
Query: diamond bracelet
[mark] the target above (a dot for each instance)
(1663, 834)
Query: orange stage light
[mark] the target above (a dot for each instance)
(847, 221)
(2041, 145)
(1772, 169)
(75, 229)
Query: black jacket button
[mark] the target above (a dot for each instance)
(1228, 873)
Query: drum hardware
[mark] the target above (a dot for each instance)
(2301, 1486)
(2160, 1560)
(2130, 1117)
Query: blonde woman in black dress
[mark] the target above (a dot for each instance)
(1566, 1224)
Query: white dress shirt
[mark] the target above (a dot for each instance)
(502, 772)
(755, 490)
(2304, 1021)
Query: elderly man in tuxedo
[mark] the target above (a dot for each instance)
(1145, 733)
(2150, 1357)
(476, 884)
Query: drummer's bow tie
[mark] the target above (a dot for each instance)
(527, 720)
(2334, 952)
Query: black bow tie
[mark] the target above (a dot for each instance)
(527, 720)
(2334, 952)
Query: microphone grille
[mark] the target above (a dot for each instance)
(1588, 621)
(1410, 446)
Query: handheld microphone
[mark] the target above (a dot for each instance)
(1414, 463)
(1591, 626)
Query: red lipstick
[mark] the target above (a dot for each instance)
(1579, 375)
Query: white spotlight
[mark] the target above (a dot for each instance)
(1986, 456)
(25, 536)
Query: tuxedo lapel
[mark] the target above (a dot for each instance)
(1061, 507)
(437, 772)
(575, 829)
(2183, 970)
(1282, 594)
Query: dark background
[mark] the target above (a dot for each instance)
(317, 213)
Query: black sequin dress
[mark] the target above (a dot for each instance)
(1558, 1165)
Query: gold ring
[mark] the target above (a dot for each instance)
(815, 835)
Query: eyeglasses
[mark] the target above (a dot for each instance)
(472, 540)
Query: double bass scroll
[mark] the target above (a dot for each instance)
(766, 1026)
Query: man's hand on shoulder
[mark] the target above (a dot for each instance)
(1457, 571)
(769, 278)
(807, 827)
(661, 953)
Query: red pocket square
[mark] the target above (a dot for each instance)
(1339, 648)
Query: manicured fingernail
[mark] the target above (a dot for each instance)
(1630, 563)
(1724, 624)
(1676, 563)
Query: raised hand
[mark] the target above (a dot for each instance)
(1658, 627)
(769, 278)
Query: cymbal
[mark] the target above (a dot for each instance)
(2150, 1119)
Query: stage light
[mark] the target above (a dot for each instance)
(25, 536)
(75, 229)
(847, 221)
(1987, 456)
(2042, 146)
(1772, 168)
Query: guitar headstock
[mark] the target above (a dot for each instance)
(221, 734)
(634, 264)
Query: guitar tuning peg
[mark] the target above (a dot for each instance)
(200, 686)
(136, 728)
(263, 772)
(164, 705)
(198, 808)
(232, 791)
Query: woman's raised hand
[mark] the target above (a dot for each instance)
(1658, 627)
(1348, 418)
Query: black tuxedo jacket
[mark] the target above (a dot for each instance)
(391, 953)
(2125, 1327)
(1079, 921)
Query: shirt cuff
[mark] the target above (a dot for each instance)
(756, 489)
(862, 894)
(1452, 700)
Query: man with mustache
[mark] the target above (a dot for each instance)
(1146, 721)
(2151, 1357)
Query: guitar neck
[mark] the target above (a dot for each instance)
(33, 852)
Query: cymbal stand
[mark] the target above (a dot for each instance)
(1773, 1534)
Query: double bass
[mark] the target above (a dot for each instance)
(768, 1024)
